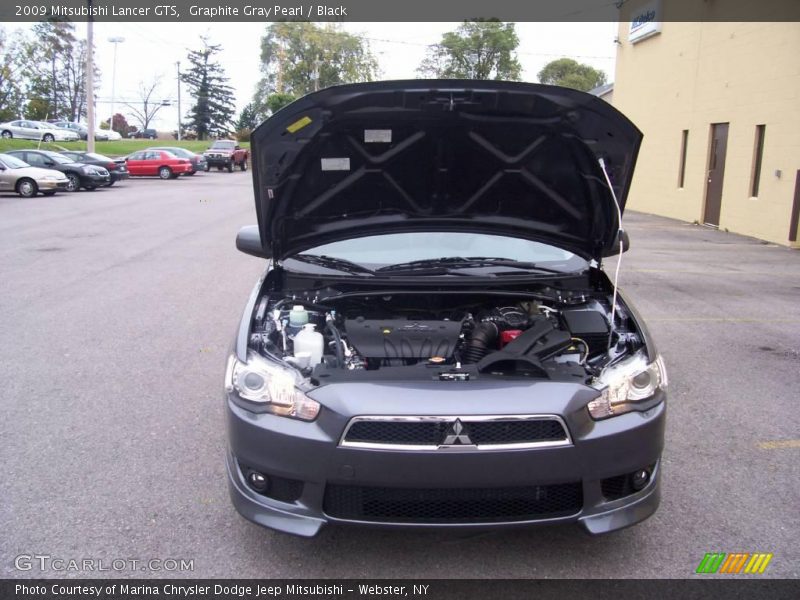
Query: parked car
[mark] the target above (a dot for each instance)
(27, 181)
(198, 161)
(148, 134)
(112, 135)
(225, 154)
(82, 130)
(157, 162)
(116, 168)
(78, 174)
(434, 341)
(35, 130)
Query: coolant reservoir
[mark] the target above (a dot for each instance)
(298, 316)
(311, 341)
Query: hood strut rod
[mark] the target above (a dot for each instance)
(619, 256)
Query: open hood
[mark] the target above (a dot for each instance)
(495, 157)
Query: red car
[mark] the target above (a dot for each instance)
(157, 162)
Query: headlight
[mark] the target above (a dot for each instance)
(50, 178)
(627, 386)
(267, 386)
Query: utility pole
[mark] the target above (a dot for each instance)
(178, 64)
(116, 41)
(90, 79)
(281, 58)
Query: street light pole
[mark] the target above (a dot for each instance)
(90, 80)
(116, 41)
(178, 64)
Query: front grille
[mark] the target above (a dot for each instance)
(452, 505)
(436, 431)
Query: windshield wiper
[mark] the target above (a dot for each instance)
(331, 262)
(457, 262)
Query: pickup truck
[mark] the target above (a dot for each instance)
(226, 154)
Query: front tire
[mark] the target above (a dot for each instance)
(207, 168)
(243, 165)
(7, 134)
(165, 173)
(27, 188)
(229, 166)
(48, 137)
(74, 183)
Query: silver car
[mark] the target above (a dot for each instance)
(27, 181)
(36, 130)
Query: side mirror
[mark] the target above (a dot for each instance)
(626, 243)
(248, 240)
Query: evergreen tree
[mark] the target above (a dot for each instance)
(213, 110)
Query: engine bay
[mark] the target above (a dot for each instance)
(448, 335)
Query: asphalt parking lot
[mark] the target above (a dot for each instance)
(116, 311)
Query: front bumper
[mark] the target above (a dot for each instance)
(93, 180)
(217, 161)
(309, 455)
(50, 184)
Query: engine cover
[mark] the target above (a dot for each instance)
(394, 338)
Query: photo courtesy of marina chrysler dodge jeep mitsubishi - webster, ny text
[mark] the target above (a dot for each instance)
(434, 341)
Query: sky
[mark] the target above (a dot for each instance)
(152, 49)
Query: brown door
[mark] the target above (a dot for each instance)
(716, 173)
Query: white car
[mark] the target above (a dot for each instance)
(112, 135)
(36, 130)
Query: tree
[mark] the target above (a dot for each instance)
(12, 94)
(478, 49)
(570, 73)
(248, 118)
(55, 64)
(148, 105)
(300, 57)
(214, 107)
(118, 123)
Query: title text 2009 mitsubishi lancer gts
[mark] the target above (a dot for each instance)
(434, 342)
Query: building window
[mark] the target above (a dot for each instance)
(682, 165)
(758, 151)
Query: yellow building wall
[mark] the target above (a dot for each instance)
(692, 75)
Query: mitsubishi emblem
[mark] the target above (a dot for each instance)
(457, 435)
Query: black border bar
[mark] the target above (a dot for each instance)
(266, 11)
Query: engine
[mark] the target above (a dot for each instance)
(445, 337)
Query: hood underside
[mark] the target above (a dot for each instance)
(503, 158)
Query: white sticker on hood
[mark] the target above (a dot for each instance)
(335, 164)
(381, 136)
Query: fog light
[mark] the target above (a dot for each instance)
(258, 481)
(639, 479)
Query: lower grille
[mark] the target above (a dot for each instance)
(452, 505)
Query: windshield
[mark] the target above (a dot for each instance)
(223, 145)
(59, 158)
(486, 254)
(12, 162)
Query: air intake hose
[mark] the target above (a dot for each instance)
(483, 337)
